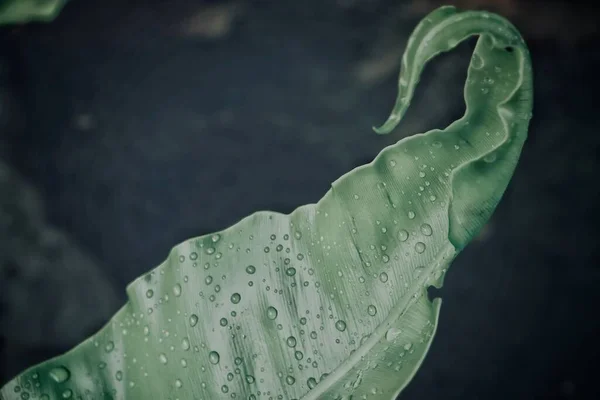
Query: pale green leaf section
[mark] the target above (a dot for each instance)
(329, 302)
(23, 11)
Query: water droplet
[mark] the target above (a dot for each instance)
(340, 325)
(290, 380)
(436, 144)
(411, 215)
(490, 158)
(392, 334)
(178, 383)
(119, 375)
(215, 238)
(291, 341)
(299, 356)
(250, 379)
(208, 280)
(476, 61)
(177, 290)
(298, 235)
(267, 249)
(162, 357)
(420, 247)
(311, 382)
(403, 235)
(149, 293)
(356, 197)
(372, 310)
(67, 394)
(385, 258)
(109, 346)
(290, 271)
(224, 388)
(193, 320)
(223, 322)
(210, 250)
(185, 344)
(235, 298)
(383, 277)
(193, 256)
(313, 335)
(214, 357)
(250, 269)
(392, 163)
(271, 313)
(59, 374)
(426, 229)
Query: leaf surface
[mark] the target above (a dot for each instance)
(330, 301)
(23, 11)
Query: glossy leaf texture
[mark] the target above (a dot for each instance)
(23, 11)
(330, 301)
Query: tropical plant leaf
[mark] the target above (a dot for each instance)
(23, 11)
(330, 301)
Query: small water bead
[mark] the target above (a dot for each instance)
(109, 346)
(392, 163)
(383, 277)
(162, 357)
(178, 383)
(215, 238)
(372, 310)
(223, 322)
(67, 394)
(59, 374)
(271, 313)
(185, 344)
(193, 320)
(208, 280)
(298, 235)
(403, 235)
(303, 321)
(238, 361)
(177, 290)
(230, 377)
(286, 237)
(340, 325)
(290, 380)
(250, 379)
(490, 158)
(149, 293)
(210, 250)
(392, 334)
(311, 382)
(236, 298)
(250, 269)
(426, 229)
(214, 357)
(420, 247)
(291, 341)
(224, 388)
(385, 258)
(290, 271)
(267, 249)
(298, 355)
(193, 256)
(300, 256)
(411, 215)
(313, 335)
(476, 61)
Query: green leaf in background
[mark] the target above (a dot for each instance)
(330, 301)
(23, 11)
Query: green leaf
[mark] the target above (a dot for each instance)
(330, 301)
(23, 11)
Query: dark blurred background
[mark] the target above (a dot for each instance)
(127, 127)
